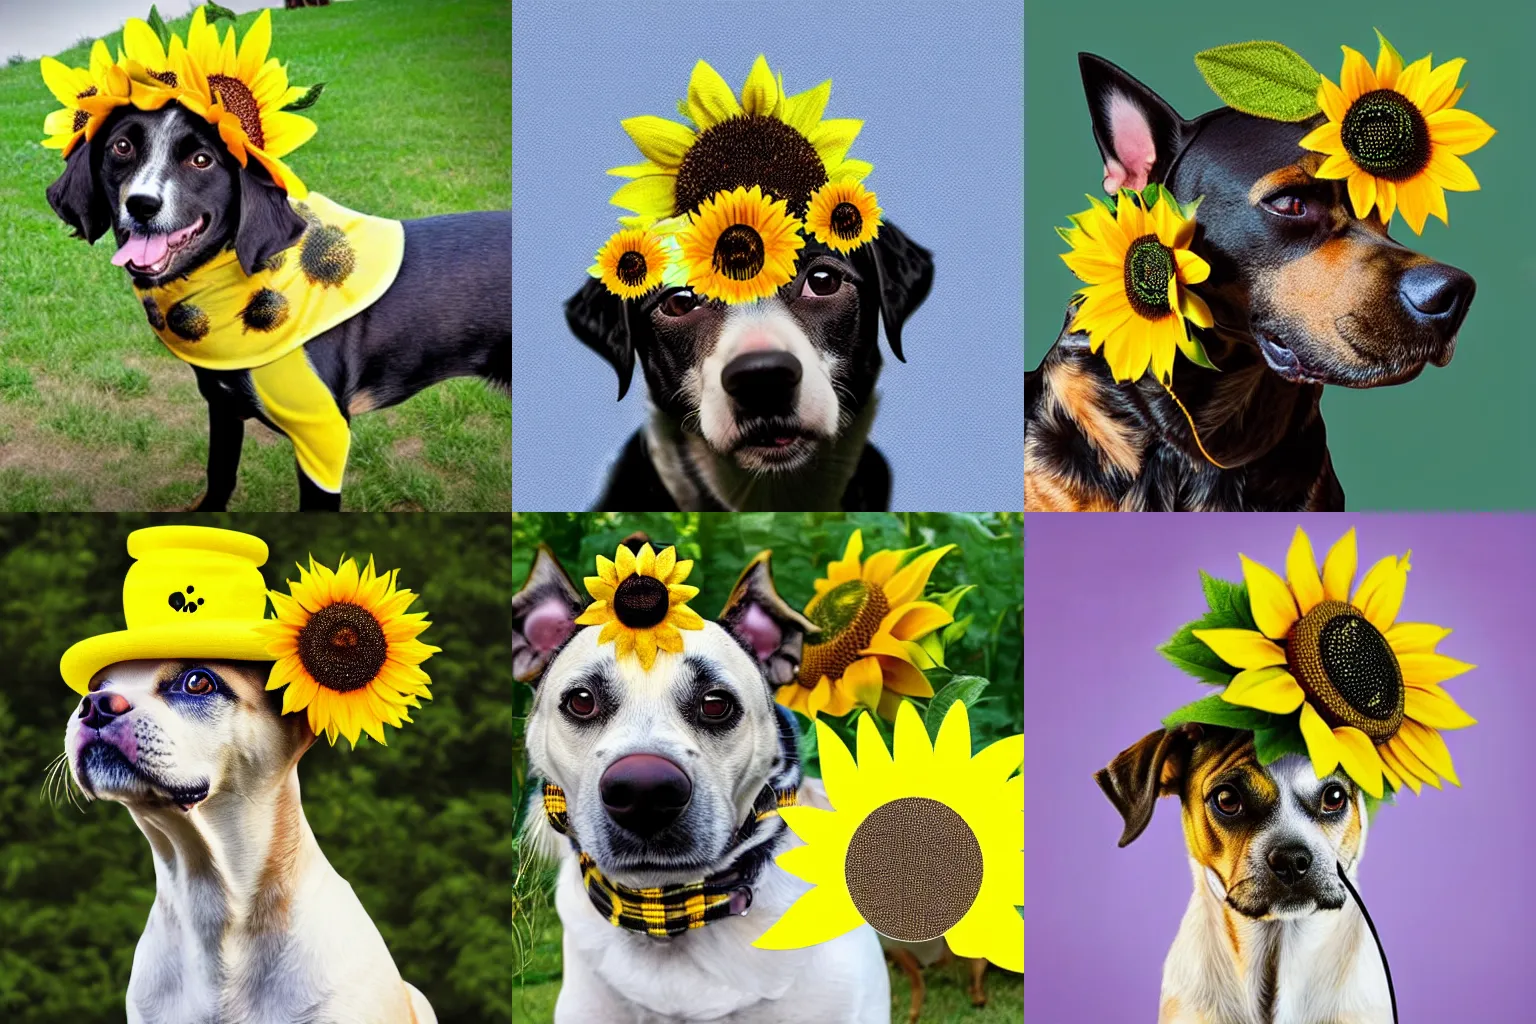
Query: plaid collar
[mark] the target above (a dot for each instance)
(667, 911)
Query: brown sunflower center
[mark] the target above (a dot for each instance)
(913, 869)
(748, 150)
(1148, 269)
(81, 120)
(343, 647)
(90, 90)
(237, 99)
(849, 616)
(631, 269)
(168, 77)
(739, 253)
(847, 221)
(641, 602)
(1385, 134)
(1348, 669)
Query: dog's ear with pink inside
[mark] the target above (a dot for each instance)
(1138, 133)
(765, 624)
(1151, 767)
(543, 616)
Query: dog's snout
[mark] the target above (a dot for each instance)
(99, 708)
(143, 207)
(762, 382)
(1290, 863)
(645, 793)
(1437, 293)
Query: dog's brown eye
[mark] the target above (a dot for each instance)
(1333, 798)
(197, 683)
(1227, 801)
(822, 282)
(716, 706)
(202, 161)
(1286, 205)
(680, 303)
(122, 147)
(580, 703)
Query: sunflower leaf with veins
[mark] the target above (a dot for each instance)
(1213, 710)
(1228, 610)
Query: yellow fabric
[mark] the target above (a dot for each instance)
(192, 592)
(301, 405)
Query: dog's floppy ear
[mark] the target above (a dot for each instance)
(903, 273)
(601, 320)
(543, 615)
(1137, 131)
(268, 223)
(77, 197)
(760, 619)
(1149, 768)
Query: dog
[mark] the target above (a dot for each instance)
(659, 768)
(1304, 294)
(167, 174)
(764, 405)
(1271, 935)
(250, 922)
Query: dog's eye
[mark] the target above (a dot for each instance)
(580, 703)
(1333, 798)
(822, 281)
(1227, 801)
(122, 147)
(197, 683)
(202, 161)
(1286, 204)
(716, 706)
(680, 303)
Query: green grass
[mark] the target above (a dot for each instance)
(96, 414)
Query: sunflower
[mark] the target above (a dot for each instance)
(740, 246)
(641, 602)
(89, 95)
(347, 650)
(926, 843)
(766, 138)
(843, 215)
(1139, 268)
(871, 616)
(1396, 135)
(152, 65)
(1366, 685)
(631, 263)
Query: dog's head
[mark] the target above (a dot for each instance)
(173, 196)
(162, 733)
(1327, 297)
(1266, 839)
(660, 767)
(765, 383)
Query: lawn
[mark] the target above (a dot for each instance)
(96, 414)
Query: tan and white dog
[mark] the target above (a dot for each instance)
(660, 769)
(1271, 935)
(250, 923)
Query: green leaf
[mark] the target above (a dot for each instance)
(213, 12)
(308, 99)
(967, 689)
(933, 646)
(1271, 744)
(1265, 79)
(950, 599)
(1195, 352)
(1065, 233)
(1228, 609)
(158, 24)
(955, 630)
(1213, 710)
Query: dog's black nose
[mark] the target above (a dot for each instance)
(100, 708)
(1289, 863)
(143, 207)
(644, 793)
(1437, 293)
(762, 382)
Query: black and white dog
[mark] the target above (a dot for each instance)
(763, 405)
(167, 173)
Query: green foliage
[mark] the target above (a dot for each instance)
(1213, 710)
(308, 99)
(420, 828)
(156, 22)
(1228, 609)
(1265, 79)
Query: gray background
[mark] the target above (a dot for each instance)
(35, 28)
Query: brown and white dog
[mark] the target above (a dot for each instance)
(1271, 935)
(250, 922)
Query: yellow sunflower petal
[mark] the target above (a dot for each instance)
(710, 99)
(873, 756)
(899, 676)
(1301, 572)
(1411, 763)
(1435, 708)
(1380, 594)
(1458, 131)
(1241, 648)
(839, 774)
(660, 141)
(666, 562)
(1426, 669)
(645, 561)
(1358, 756)
(1358, 77)
(1394, 764)
(1430, 748)
(1274, 609)
(1339, 567)
(760, 94)
(1270, 689)
(1322, 745)
(1415, 637)
(907, 584)
(823, 913)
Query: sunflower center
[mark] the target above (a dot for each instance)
(81, 120)
(739, 253)
(641, 602)
(748, 150)
(168, 77)
(1385, 134)
(913, 869)
(1348, 668)
(849, 616)
(631, 268)
(237, 99)
(847, 221)
(343, 647)
(1148, 269)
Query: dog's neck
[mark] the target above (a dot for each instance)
(698, 477)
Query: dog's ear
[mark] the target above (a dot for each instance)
(768, 627)
(1137, 131)
(903, 274)
(543, 615)
(1151, 767)
(601, 320)
(77, 197)
(268, 223)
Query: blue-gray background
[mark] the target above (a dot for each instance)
(940, 89)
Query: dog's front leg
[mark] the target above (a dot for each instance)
(226, 437)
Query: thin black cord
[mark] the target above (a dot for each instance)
(1372, 925)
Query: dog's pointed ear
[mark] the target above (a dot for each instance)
(1151, 767)
(1138, 133)
(268, 222)
(77, 197)
(600, 319)
(765, 624)
(544, 615)
(903, 274)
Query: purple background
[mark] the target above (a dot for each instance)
(1446, 875)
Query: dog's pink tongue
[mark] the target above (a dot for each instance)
(142, 250)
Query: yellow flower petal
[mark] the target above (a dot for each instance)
(1270, 689)
(1301, 571)
(1241, 648)
(908, 584)
(1430, 748)
(1358, 756)
(710, 99)
(1322, 745)
(1435, 708)
(1339, 567)
(1274, 610)
(1380, 594)
(760, 94)
(1415, 637)
(660, 141)
(1425, 669)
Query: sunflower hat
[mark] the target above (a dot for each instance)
(1311, 666)
(641, 602)
(722, 202)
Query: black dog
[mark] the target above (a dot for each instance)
(448, 313)
(1304, 293)
(763, 405)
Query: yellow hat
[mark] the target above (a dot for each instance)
(192, 592)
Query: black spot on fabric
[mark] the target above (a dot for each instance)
(266, 311)
(187, 321)
(326, 256)
(153, 312)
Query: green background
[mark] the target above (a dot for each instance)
(421, 828)
(1455, 438)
